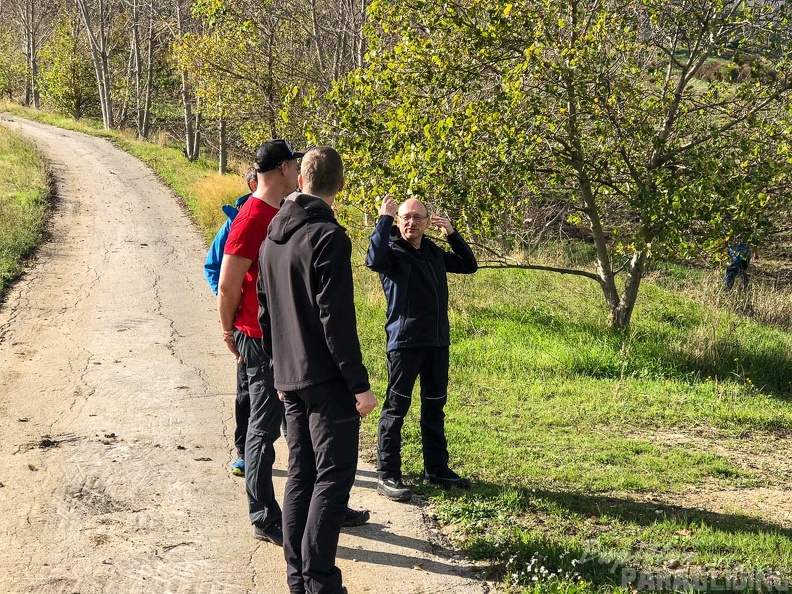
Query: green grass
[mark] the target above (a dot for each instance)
(24, 192)
(587, 445)
(559, 420)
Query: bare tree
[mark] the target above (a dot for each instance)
(32, 18)
(97, 17)
(190, 103)
(145, 31)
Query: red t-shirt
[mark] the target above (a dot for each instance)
(248, 231)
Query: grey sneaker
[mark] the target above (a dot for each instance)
(394, 489)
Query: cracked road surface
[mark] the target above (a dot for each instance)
(116, 412)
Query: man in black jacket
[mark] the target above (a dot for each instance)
(307, 315)
(413, 273)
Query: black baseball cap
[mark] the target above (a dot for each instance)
(272, 153)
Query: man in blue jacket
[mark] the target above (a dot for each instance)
(413, 270)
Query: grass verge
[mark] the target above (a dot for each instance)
(607, 462)
(24, 193)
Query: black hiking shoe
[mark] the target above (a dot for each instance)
(446, 478)
(355, 517)
(394, 489)
(272, 533)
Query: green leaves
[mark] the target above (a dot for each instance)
(502, 114)
(68, 79)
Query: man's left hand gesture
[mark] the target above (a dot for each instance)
(444, 224)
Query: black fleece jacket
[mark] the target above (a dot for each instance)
(306, 299)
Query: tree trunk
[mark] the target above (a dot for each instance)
(223, 153)
(604, 264)
(190, 131)
(146, 124)
(137, 67)
(197, 126)
(99, 49)
(191, 121)
(34, 73)
(620, 315)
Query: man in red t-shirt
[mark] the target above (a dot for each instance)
(237, 303)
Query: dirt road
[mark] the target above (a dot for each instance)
(116, 412)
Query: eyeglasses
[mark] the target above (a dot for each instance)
(412, 217)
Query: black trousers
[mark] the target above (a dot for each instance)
(241, 410)
(266, 413)
(404, 367)
(323, 429)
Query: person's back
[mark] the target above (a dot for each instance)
(306, 231)
(307, 315)
(740, 252)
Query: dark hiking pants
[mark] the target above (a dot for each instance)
(404, 367)
(323, 426)
(241, 410)
(738, 268)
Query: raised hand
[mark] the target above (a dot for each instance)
(443, 223)
(388, 206)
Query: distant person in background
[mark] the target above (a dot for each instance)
(307, 315)
(740, 255)
(212, 264)
(412, 270)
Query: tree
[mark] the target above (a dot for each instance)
(144, 35)
(219, 60)
(251, 63)
(67, 74)
(98, 17)
(32, 19)
(13, 65)
(520, 116)
(180, 26)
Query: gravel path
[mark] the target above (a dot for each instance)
(116, 412)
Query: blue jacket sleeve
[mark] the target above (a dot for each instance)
(378, 257)
(462, 260)
(214, 257)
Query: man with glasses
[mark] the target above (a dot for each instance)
(237, 304)
(413, 270)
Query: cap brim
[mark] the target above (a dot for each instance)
(297, 155)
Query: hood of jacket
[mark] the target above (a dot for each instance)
(297, 210)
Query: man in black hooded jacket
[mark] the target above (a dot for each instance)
(307, 315)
